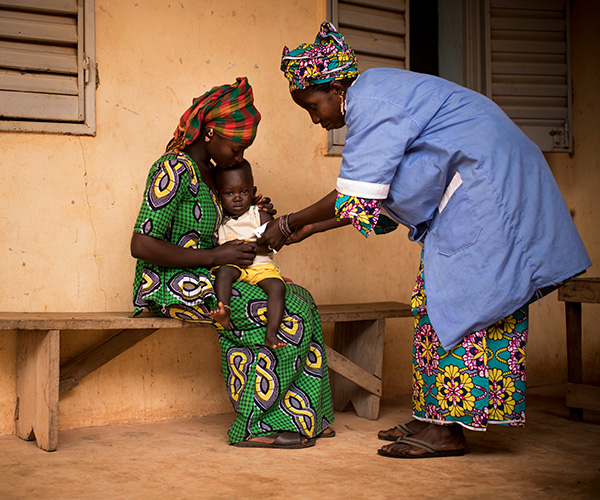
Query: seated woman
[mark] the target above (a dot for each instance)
(282, 398)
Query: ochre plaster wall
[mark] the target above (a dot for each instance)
(578, 176)
(70, 203)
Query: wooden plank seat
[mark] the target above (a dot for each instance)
(579, 396)
(355, 359)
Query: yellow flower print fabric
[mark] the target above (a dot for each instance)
(480, 381)
(365, 214)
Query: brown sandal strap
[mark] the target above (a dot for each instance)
(404, 428)
(417, 443)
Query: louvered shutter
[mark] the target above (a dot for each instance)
(528, 67)
(377, 31)
(46, 65)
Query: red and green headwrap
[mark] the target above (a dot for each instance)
(228, 109)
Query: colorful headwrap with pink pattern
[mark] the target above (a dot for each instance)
(228, 109)
(328, 59)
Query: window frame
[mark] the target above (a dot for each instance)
(336, 137)
(478, 70)
(85, 124)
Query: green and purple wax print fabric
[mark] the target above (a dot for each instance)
(285, 389)
(326, 60)
(480, 381)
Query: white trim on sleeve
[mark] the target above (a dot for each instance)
(368, 190)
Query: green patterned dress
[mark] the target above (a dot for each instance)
(480, 381)
(285, 389)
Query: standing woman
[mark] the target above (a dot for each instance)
(282, 397)
(477, 194)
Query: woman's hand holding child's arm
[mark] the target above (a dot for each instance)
(260, 246)
(322, 210)
(166, 254)
(318, 227)
(236, 252)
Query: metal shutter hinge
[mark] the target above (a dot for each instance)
(560, 137)
(86, 69)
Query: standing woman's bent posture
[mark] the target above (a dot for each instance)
(282, 397)
(477, 194)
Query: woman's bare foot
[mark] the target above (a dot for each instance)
(221, 314)
(402, 430)
(446, 440)
(272, 341)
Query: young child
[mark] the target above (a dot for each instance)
(236, 189)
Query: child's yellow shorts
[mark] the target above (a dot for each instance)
(256, 274)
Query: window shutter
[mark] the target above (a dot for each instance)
(528, 67)
(377, 30)
(46, 68)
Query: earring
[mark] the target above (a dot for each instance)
(343, 104)
(209, 134)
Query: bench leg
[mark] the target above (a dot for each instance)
(574, 364)
(36, 414)
(361, 342)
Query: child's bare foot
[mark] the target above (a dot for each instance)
(221, 314)
(272, 341)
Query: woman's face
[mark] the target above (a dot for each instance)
(225, 152)
(323, 107)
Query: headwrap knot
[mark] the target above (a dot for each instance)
(228, 109)
(328, 59)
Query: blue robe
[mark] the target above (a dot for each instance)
(451, 166)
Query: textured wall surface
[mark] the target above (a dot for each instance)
(69, 203)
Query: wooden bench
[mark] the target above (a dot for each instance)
(579, 396)
(355, 359)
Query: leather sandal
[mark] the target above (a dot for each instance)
(284, 440)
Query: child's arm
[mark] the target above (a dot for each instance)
(263, 249)
(317, 227)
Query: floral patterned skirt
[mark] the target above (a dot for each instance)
(480, 381)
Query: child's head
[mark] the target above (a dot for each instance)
(236, 187)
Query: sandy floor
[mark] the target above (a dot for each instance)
(551, 457)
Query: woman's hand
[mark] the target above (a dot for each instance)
(236, 252)
(318, 227)
(264, 203)
(301, 234)
(272, 237)
(321, 214)
(167, 254)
